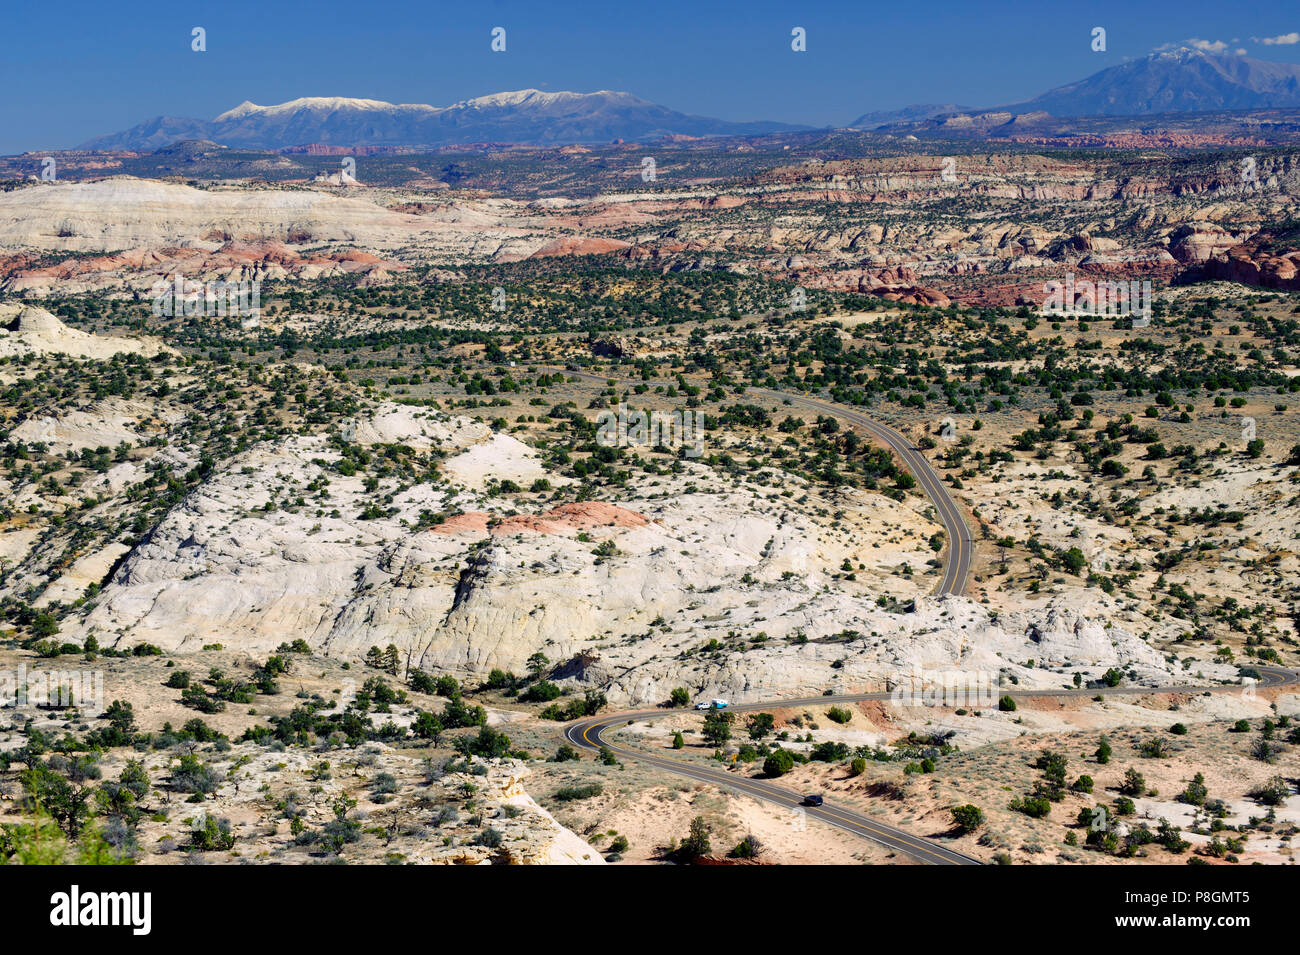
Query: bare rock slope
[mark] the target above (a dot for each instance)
(127, 213)
(692, 579)
(25, 329)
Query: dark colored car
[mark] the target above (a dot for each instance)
(812, 800)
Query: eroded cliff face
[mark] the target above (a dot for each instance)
(864, 225)
(150, 226)
(1259, 261)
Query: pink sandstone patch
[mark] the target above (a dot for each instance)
(565, 519)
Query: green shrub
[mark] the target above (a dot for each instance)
(212, 835)
(839, 714)
(1036, 807)
(571, 793)
(968, 818)
(748, 848)
(543, 691)
(696, 844)
(778, 763)
(1134, 784)
(1274, 792)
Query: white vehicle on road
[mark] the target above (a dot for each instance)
(712, 705)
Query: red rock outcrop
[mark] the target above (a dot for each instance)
(565, 519)
(471, 522)
(894, 285)
(250, 259)
(1198, 242)
(1254, 262)
(579, 245)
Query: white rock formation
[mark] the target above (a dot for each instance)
(126, 213)
(25, 329)
(694, 560)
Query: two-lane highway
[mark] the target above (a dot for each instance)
(589, 734)
(961, 545)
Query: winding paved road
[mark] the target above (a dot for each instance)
(588, 733)
(961, 545)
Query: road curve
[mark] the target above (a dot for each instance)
(961, 545)
(589, 734)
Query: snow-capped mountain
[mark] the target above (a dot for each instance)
(519, 116)
(1180, 80)
(1175, 81)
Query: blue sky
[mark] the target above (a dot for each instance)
(78, 69)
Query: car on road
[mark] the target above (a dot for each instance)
(704, 706)
(812, 800)
(712, 705)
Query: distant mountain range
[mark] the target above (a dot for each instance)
(906, 115)
(523, 116)
(1172, 81)
(1181, 80)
